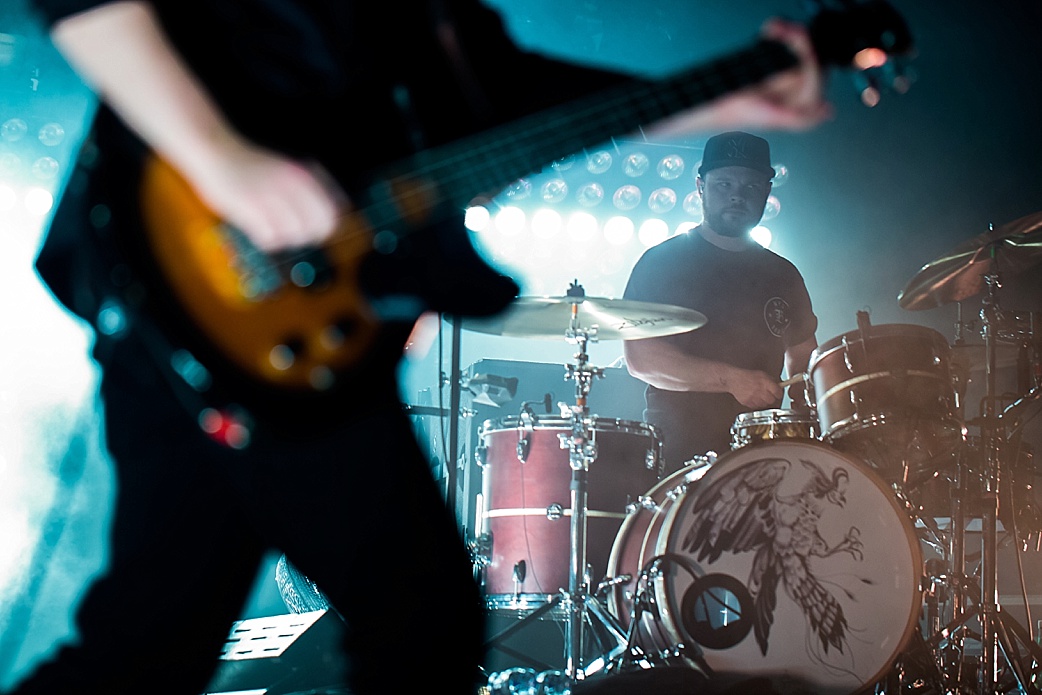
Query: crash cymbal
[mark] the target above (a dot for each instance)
(614, 319)
(959, 274)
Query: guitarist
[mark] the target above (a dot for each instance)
(273, 111)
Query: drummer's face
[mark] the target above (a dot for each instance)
(733, 199)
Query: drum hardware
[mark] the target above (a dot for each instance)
(583, 319)
(1010, 657)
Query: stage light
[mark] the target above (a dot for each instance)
(8, 198)
(582, 226)
(662, 200)
(636, 164)
(554, 191)
(599, 162)
(510, 220)
(546, 223)
(38, 201)
(618, 230)
(671, 167)
(45, 168)
(13, 129)
(762, 236)
(653, 231)
(477, 218)
(626, 197)
(519, 190)
(773, 207)
(590, 194)
(51, 134)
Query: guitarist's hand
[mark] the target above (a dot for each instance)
(791, 100)
(276, 201)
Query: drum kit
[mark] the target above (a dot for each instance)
(827, 550)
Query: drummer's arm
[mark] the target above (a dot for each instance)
(797, 359)
(660, 363)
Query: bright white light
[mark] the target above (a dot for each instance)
(8, 198)
(582, 226)
(618, 230)
(510, 220)
(685, 227)
(653, 231)
(762, 236)
(546, 223)
(38, 201)
(476, 218)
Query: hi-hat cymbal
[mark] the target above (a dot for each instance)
(613, 319)
(959, 274)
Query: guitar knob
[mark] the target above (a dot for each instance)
(284, 355)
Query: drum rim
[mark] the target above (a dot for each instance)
(491, 425)
(904, 522)
(882, 330)
(855, 423)
(804, 416)
(630, 519)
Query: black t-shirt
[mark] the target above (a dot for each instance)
(756, 304)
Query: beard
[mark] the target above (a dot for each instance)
(732, 223)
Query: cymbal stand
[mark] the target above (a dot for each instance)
(1001, 636)
(583, 607)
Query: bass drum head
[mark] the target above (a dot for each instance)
(790, 561)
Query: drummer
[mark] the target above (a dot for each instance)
(760, 317)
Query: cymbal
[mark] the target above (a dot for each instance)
(614, 319)
(959, 274)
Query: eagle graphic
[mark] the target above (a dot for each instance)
(743, 511)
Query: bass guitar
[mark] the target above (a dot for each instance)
(298, 321)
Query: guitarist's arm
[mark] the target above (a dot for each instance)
(120, 49)
(122, 52)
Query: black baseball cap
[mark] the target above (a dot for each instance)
(737, 149)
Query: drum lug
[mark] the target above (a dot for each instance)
(481, 455)
(554, 512)
(523, 447)
(481, 550)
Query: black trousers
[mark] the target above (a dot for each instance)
(356, 509)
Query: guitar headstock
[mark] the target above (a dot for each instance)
(869, 38)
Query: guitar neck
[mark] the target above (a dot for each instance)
(487, 162)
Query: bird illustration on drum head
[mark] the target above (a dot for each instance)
(745, 511)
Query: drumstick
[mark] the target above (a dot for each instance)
(785, 383)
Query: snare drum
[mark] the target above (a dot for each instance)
(785, 560)
(766, 425)
(525, 509)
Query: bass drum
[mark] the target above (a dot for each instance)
(785, 560)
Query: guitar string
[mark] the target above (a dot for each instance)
(622, 109)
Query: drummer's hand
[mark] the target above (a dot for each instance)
(755, 389)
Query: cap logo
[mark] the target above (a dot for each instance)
(736, 149)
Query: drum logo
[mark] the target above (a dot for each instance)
(776, 314)
(745, 511)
